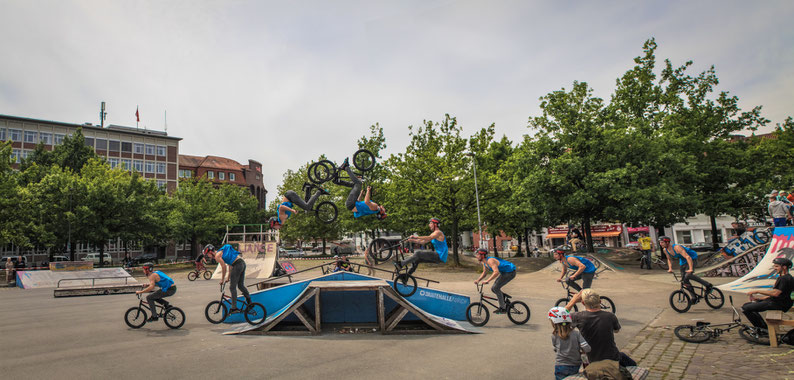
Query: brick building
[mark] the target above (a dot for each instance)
(224, 170)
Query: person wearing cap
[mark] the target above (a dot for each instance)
(353, 202)
(777, 298)
(161, 280)
(437, 255)
(778, 210)
(503, 271)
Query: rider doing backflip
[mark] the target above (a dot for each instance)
(359, 208)
(503, 270)
(438, 255)
(583, 268)
(166, 285)
(292, 199)
(687, 260)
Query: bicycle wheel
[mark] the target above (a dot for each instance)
(216, 312)
(404, 284)
(135, 317)
(207, 275)
(363, 160)
(752, 335)
(380, 250)
(326, 212)
(608, 305)
(692, 334)
(680, 301)
(662, 264)
(715, 299)
(564, 301)
(192, 276)
(255, 313)
(518, 312)
(761, 236)
(321, 171)
(477, 314)
(174, 317)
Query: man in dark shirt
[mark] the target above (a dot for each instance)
(598, 327)
(777, 298)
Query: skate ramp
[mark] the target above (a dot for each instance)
(736, 266)
(260, 259)
(763, 276)
(36, 279)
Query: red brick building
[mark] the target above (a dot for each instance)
(224, 170)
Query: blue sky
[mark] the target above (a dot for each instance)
(283, 82)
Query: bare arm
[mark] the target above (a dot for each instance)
(580, 267)
(149, 288)
(477, 281)
(223, 265)
(494, 264)
(573, 301)
(425, 239)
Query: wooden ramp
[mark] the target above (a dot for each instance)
(307, 309)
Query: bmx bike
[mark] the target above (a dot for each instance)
(324, 211)
(136, 317)
(655, 260)
(681, 300)
(705, 331)
(478, 315)
(217, 311)
(195, 274)
(381, 250)
(324, 170)
(606, 302)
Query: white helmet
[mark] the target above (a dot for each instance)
(559, 315)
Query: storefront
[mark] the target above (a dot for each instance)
(605, 235)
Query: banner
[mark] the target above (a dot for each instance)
(763, 276)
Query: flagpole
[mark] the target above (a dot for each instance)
(137, 117)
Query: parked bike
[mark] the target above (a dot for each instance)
(705, 331)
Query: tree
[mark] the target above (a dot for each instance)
(198, 214)
(12, 215)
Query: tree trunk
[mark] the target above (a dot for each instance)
(526, 241)
(455, 242)
(101, 255)
(194, 246)
(495, 250)
(323, 246)
(519, 253)
(715, 244)
(71, 252)
(588, 235)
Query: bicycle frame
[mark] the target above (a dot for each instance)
(484, 298)
(159, 309)
(699, 291)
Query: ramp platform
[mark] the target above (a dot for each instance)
(763, 276)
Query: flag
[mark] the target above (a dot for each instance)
(137, 116)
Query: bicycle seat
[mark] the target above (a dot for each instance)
(701, 323)
(506, 295)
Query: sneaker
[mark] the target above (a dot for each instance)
(153, 318)
(345, 164)
(708, 288)
(500, 311)
(234, 311)
(325, 192)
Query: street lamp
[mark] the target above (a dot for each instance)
(477, 195)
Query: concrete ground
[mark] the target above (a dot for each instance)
(86, 337)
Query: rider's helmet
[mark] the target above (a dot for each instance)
(481, 251)
(782, 261)
(436, 221)
(665, 239)
(559, 315)
(208, 247)
(148, 266)
(381, 215)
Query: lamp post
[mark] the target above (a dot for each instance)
(477, 195)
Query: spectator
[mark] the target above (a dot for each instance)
(778, 210)
(777, 298)
(646, 247)
(9, 271)
(574, 236)
(567, 342)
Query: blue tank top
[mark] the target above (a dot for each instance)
(441, 248)
(363, 210)
(681, 259)
(278, 212)
(165, 281)
(229, 254)
(504, 265)
(588, 265)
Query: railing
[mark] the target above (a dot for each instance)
(326, 268)
(93, 280)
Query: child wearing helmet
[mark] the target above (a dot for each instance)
(437, 255)
(166, 285)
(567, 342)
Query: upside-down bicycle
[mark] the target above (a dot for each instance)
(381, 250)
(324, 170)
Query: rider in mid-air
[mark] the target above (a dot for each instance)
(687, 260)
(437, 255)
(583, 268)
(503, 270)
(292, 199)
(353, 202)
(167, 289)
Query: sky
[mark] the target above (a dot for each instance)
(282, 82)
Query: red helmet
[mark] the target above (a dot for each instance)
(436, 221)
(482, 250)
(665, 239)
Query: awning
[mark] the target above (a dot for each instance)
(606, 234)
(556, 236)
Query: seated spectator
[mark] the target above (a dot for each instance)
(598, 327)
(342, 264)
(777, 298)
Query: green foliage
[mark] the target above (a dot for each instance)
(199, 213)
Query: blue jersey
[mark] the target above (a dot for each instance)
(681, 260)
(278, 213)
(441, 248)
(229, 254)
(504, 265)
(363, 210)
(588, 265)
(165, 281)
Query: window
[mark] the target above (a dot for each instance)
(101, 144)
(211, 174)
(26, 153)
(221, 176)
(2, 133)
(149, 167)
(161, 150)
(114, 145)
(46, 138)
(684, 237)
(89, 141)
(707, 236)
(138, 148)
(185, 173)
(30, 136)
(150, 149)
(161, 168)
(137, 165)
(113, 162)
(231, 176)
(161, 184)
(15, 134)
(127, 164)
(15, 155)
(59, 138)
(126, 147)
